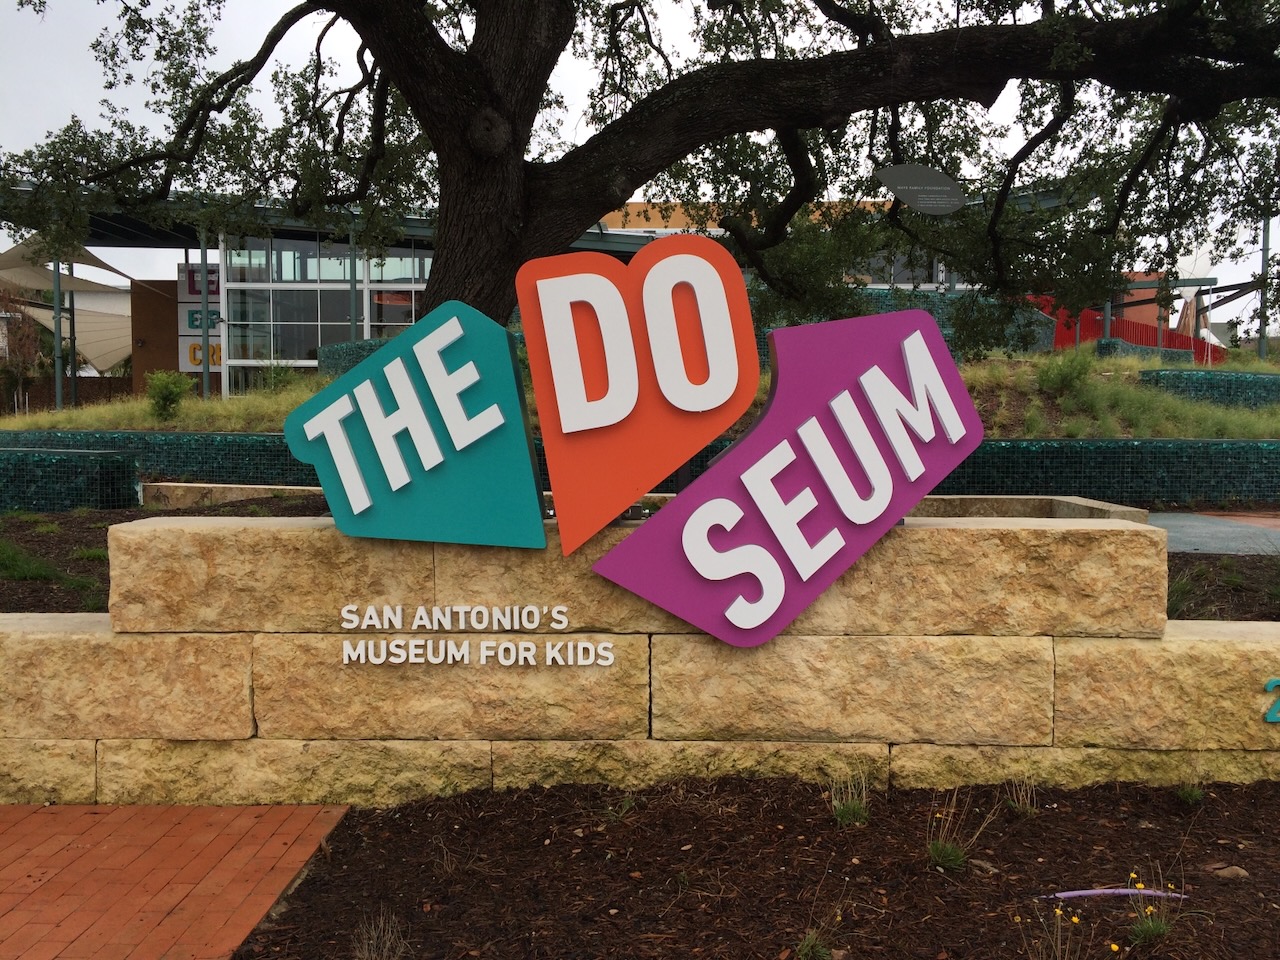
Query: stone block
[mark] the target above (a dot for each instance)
(365, 773)
(47, 771)
(974, 576)
(887, 689)
(67, 676)
(639, 763)
(254, 574)
(171, 496)
(936, 767)
(497, 576)
(1200, 688)
(303, 690)
(1000, 577)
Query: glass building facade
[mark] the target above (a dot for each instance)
(284, 296)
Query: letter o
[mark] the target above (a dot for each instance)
(664, 337)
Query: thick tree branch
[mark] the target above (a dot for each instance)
(753, 239)
(865, 26)
(1066, 106)
(1167, 123)
(972, 63)
(212, 99)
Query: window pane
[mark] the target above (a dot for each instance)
(399, 266)
(296, 341)
(294, 261)
(295, 306)
(335, 262)
(400, 307)
(336, 333)
(335, 306)
(249, 341)
(248, 324)
(247, 260)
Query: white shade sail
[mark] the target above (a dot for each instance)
(104, 339)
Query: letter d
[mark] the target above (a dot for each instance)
(557, 295)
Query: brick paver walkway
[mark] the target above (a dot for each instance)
(146, 882)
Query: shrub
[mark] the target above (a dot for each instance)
(1064, 373)
(165, 390)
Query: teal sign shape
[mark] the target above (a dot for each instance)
(428, 438)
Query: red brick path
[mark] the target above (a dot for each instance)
(146, 883)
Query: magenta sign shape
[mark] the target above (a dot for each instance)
(867, 415)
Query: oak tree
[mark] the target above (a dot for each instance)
(1140, 129)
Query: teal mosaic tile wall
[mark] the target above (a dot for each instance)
(335, 359)
(1124, 471)
(50, 481)
(1119, 471)
(1231, 388)
(252, 458)
(1123, 348)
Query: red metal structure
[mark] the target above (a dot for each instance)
(1138, 334)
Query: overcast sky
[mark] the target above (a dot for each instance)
(47, 73)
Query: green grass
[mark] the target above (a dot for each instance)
(17, 564)
(812, 947)
(89, 553)
(258, 412)
(946, 855)
(1065, 394)
(1070, 394)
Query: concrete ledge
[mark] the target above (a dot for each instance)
(640, 763)
(47, 771)
(930, 766)
(173, 496)
(1058, 508)
(887, 689)
(303, 691)
(362, 772)
(67, 676)
(1201, 688)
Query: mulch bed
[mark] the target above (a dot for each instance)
(743, 869)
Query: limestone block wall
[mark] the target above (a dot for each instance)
(958, 650)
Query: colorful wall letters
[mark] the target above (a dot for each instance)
(865, 418)
(428, 438)
(636, 368)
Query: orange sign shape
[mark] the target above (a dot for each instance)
(635, 367)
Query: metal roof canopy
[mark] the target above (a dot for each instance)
(119, 229)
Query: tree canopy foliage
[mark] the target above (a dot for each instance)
(1141, 130)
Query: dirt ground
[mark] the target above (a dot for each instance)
(761, 869)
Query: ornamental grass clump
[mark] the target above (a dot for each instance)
(1153, 912)
(1050, 932)
(1021, 798)
(851, 800)
(954, 829)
